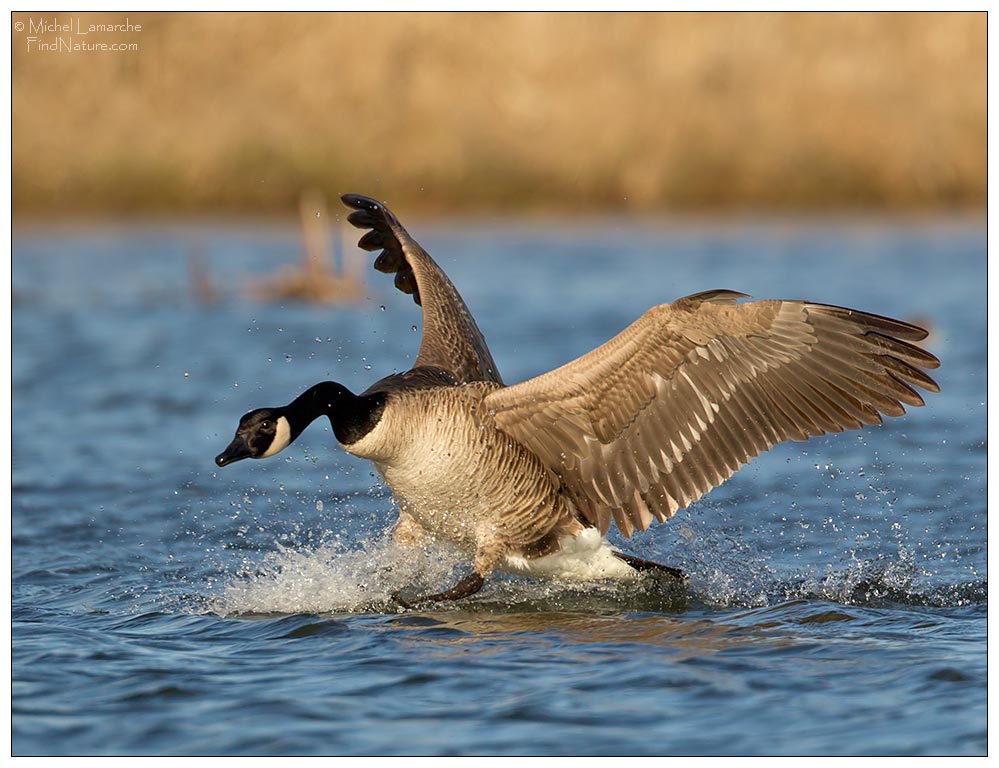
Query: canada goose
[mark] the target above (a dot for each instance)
(528, 478)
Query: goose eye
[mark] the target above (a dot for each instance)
(265, 425)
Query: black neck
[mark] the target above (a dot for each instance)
(351, 416)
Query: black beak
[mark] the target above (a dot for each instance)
(238, 449)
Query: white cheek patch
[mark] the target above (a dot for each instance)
(282, 436)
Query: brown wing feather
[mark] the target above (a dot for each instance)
(673, 405)
(451, 339)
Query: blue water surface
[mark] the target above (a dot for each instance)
(838, 589)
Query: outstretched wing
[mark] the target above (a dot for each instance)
(451, 339)
(671, 407)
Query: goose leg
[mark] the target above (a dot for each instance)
(467, 586)
(647, 565)
(487, 556)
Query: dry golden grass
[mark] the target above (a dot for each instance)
(240, 112)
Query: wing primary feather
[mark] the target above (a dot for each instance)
(909, 374)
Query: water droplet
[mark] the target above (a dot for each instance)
(187, 375)
(287, 357)
(414, 327)
(319, 505)
(382, 307)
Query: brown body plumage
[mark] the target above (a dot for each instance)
(461, 479)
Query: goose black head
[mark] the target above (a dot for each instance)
(261, 433)
(267, 431)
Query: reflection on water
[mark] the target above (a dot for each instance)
(683, 638)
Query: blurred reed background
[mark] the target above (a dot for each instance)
(241, 112)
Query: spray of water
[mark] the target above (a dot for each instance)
(725, 569)
(331, 578)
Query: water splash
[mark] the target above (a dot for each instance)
(312, 572)
(778, 562)
(886, 581)
(332, 579)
